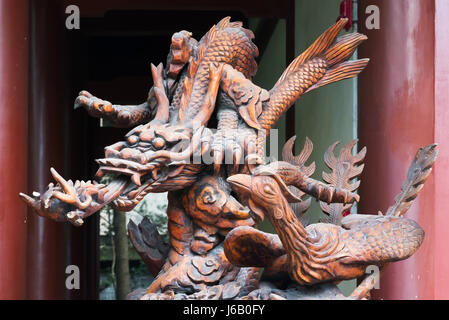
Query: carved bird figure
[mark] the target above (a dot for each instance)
(319, 252)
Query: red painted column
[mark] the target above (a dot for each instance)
(441, 171)
(46, 246)
(396, 117)
(13, 145)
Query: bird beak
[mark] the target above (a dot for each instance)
(241, 183)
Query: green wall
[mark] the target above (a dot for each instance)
(328, 114)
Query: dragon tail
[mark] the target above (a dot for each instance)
(322, 63)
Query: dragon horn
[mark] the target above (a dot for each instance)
(162, 113)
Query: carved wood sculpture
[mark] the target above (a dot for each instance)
(219, 186)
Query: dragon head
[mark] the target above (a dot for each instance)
(156, 157)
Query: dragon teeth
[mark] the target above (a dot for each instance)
(111, 162)
(135, 178)
(132, 194)
(120, 163)
(154, 174)
(101, 162)
(100, 173)
(133, 166)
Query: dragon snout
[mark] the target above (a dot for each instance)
(121, 158)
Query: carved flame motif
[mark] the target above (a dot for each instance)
(345, 168)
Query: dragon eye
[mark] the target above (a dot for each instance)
(158, 143)
(133, 139)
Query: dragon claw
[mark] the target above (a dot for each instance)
(94, 106)
(237, 156)
(232, 147)
(218, 157)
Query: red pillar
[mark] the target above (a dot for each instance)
(46, 245)
(13, 145)
(441, 171)
(397, 116)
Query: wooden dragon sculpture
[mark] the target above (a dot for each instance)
(202, 130)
